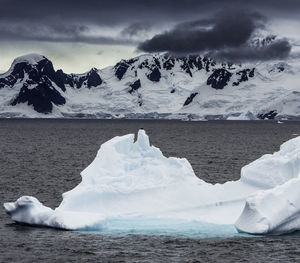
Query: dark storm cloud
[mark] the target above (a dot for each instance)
(225, 35)
(226, 29)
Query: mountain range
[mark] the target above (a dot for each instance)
(153, 86)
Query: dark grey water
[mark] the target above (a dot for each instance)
(43, 158)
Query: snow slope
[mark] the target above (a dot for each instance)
(133, 181)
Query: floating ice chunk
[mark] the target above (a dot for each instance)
(273, 211)
(29, 210)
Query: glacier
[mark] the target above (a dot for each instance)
(132, 185)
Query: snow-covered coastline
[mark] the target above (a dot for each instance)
(153, 87)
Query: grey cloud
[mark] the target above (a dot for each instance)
(135, 29)
(58, 33)
(68, 29)
(116, 12)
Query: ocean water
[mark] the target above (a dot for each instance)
(43, 158)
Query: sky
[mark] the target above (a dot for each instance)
(80, 34)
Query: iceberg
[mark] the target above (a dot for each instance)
(133, 182)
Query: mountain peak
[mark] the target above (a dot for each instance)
(32, 59)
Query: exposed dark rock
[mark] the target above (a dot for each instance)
(120, 69)
(280, 68)
(94, 79)
(144, 64)
(45, 68)
(157, 63)
(40, 97)
(63, 79)
(192, 62)
(244, 74)
(269, 115)
(172, 91)
(219, 78)
(135, 86)
(186, 67)
(155, 75)
(169, 63)
(195, 61)
(190, 99)
(91, 79)
(207, 63)
(7, 81)
(187, 63)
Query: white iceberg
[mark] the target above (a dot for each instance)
(133, 182)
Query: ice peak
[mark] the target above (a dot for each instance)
(142, 139)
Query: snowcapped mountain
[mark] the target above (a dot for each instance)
(153, 86)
